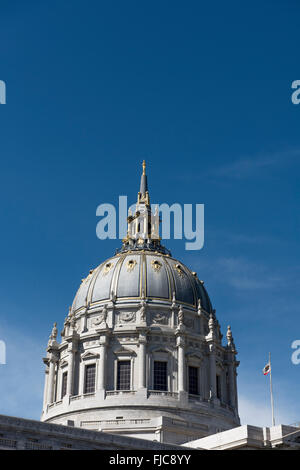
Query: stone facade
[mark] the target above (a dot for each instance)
(27, 434)
(251, 438)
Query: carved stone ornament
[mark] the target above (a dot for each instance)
(189, 322)
(100, 319)
(127, 317)
(160, 318)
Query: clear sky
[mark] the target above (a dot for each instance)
(203, 93)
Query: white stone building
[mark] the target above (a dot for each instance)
(141, 351)
(141, 364)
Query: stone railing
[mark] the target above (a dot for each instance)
(75, 397)
(86, 424)
(111, 393)
(163, 394)
(11, 443)
(88, 395)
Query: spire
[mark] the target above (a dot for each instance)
(143, 225)
(144, 182)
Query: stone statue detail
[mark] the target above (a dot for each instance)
(53, 335)
(142, 310)
(230, 342)
(54, 331)
(160, 318)
(102, 317)
(64, 331)
(73, 323)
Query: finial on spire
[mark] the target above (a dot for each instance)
(144, 183)
(230, 342)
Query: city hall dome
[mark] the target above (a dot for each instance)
(141, 351)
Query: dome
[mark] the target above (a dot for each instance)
(141, 350)
(132, 274)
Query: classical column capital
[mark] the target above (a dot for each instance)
(142, 331)
(142, 338)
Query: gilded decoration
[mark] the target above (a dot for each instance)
(156, 265)
(130, 265)
(179, 269)
(106, 269)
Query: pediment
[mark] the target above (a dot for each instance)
(89, 355)
(194, 356)
(124, 352)
(161, 350)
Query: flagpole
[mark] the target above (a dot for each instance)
(271, 392)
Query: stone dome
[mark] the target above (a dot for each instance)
(132, 274)
(141, 350)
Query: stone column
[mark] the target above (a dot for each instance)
(70, 376)
(102, 364)
(181, 364)
(84, 323)
(142, 360)
(212, 371)
(45, 397)
(231, 385)
(52, 364)
(72, 349)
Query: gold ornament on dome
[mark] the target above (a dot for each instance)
(179, 269)
(156, 265)
(130, 265)
(107, 268)
(88, 277)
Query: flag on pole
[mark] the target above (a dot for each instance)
(267, 369)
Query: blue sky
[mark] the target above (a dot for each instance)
(203, 93)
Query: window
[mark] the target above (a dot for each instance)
(123, 377)
(193, 380)
(64, 384)
(90, 378)
(218, 383)
(160, 376)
